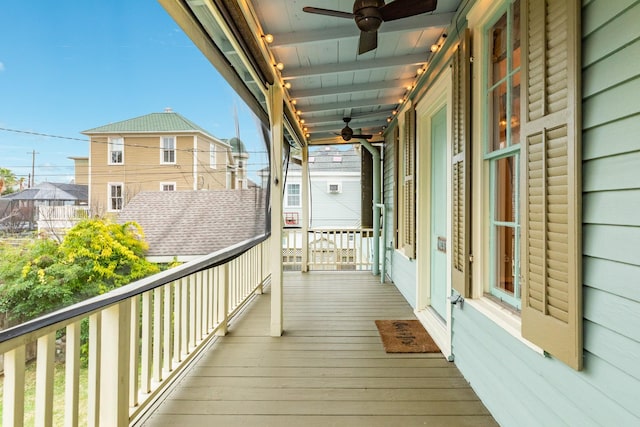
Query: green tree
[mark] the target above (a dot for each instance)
(111, 255)
(8, 181)
(95, 257)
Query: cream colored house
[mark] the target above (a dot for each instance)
(156, 152)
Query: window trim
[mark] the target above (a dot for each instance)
(110, 185)
(110, 150)
(164, 150)
(213, 158)
(299, 195)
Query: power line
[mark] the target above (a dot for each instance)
(95, 140)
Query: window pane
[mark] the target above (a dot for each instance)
(515, 35)
(515, 109)
(505, 259)
(293, 195)
(505, 190)
(498, 117)
(499, 50)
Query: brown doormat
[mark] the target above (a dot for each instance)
(405, 336)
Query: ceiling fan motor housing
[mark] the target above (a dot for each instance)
(368, 17)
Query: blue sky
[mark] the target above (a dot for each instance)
(67, 66)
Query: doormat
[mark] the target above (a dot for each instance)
(405, 336)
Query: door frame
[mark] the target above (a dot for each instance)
(439, 95)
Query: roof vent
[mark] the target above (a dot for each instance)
(168, 110)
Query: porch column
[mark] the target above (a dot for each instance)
(276, 186)
(306, 188)
(375, 268)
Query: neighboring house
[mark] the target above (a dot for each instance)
(81, 170)
(157, 152)
(185, 225)
(52, 207)
(335, 198)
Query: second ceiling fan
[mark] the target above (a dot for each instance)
(370, 14)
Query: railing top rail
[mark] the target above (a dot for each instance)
(341, 229)
(132, 289)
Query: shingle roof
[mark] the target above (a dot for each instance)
(194, 223)
(330, 159)
(155, 122)
(52, 191)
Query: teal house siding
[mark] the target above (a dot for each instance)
(519, 385)
(399, 269)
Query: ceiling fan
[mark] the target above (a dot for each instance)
(370, 14)
(347, 133)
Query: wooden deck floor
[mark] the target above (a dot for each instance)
(328, 369)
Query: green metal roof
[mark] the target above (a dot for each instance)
(167, 121)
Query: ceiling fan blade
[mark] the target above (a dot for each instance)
(362, 136)
(404, 8)
(368, 41)
(328, 12)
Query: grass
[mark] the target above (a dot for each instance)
(58, 395)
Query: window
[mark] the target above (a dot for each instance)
(405, 185)
(116, 151)
(528, 173)
(116, 196)
(167, 186)
(503, 154)
(168, 149)
(212, 156)
(334, 187)
(293, 195)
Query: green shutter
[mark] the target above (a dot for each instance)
(461, 166)
(551, 247)
(409, 185)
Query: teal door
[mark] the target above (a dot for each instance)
(439, 244)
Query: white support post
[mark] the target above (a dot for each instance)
(93, 375)
(306, 188)
(114, 366)
(72, 375)
(134, 354)
(277, 182)
(13, 401)
(223, 300)
(158, 327)
(146, 356)
(44, 379)
(258, 267)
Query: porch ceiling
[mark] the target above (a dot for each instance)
(329, 80)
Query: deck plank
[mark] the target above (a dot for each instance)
(328, 368)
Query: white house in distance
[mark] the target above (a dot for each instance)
(335, 180)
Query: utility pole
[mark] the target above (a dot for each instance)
(32, 178)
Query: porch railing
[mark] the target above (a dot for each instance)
(58, 219)
(140, 337)
(329, 249)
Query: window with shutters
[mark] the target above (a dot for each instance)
(502, 153)
(527, 136)
(406, 187)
